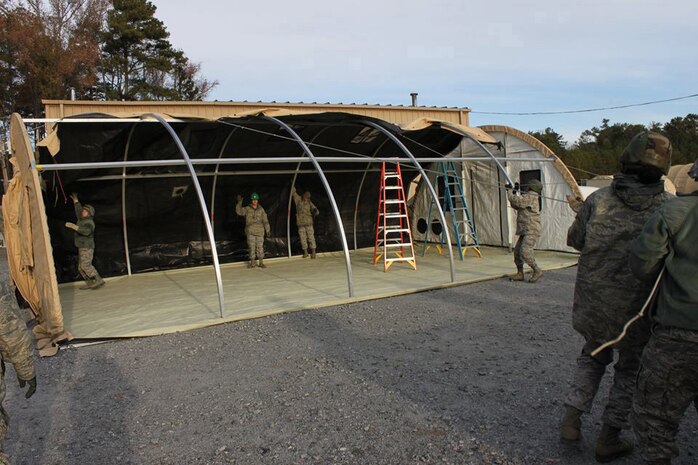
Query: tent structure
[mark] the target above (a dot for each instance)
(521, 158)
(164, 187)
(678, 174)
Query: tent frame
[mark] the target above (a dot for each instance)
(309, 157)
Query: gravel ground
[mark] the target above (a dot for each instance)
(468, 375)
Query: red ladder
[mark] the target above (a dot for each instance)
(393, 234)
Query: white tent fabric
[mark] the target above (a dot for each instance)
(495, 221)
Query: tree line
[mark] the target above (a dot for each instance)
(598, 150)
(93, 49)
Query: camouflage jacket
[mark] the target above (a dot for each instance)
(527, 208)
(670, 238)
(305, 210)
(606, 294)
(85, 234)
(16, 341)
(256, 221)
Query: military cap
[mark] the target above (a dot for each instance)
(648, 148)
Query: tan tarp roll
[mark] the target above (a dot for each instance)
(29, 251)
(477, 133)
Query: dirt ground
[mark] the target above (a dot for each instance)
(473, 374)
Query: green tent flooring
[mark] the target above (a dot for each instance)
(168, 301)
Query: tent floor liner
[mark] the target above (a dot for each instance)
(164, 302)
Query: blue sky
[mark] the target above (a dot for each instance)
(496, 56)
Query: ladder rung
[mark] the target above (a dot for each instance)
(401, 244)
(393, 187)
(393, 229)
(401, 259)
(394, 201)
(395, 215)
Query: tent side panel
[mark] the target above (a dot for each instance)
(36, 270)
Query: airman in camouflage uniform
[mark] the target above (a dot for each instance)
(256, 225)
(85, 242)
(668, 380)
(606, 293)
(527, 206)
(16, 347)
(305, 212)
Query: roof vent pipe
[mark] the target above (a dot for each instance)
(414, 98)
(72, 93)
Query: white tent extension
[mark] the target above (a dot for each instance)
(524, 158)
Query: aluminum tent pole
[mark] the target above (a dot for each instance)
(485, 149)
(290, 194)
(288, 209)
(249, 160)
(202, 202)
(215, 173)
(361, 185)
(406, 151)
(328, 189)
(123, 200)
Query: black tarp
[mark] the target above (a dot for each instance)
(163, 215)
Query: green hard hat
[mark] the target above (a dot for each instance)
(254, 196)
(535, 185)
(648, 148)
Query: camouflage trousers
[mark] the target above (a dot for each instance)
(307, 235)
(255, 246)
(4, 421)
(85, 264)
(523, 252)
(590, 370)
(666, 386)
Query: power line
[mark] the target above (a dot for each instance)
(588, 110)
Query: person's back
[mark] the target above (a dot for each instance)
(668, 382)
(606, 292)
(677, 299)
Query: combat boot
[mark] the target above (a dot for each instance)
(570, 428)
(519, 276)
(537, 273)
(312, 254)
(305, 253)
(97, 282)
(250, 264)
(261, 263)
(610, 445)
(89, 282)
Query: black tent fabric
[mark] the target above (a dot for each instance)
(164, 221)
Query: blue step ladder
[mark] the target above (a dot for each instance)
(455, 205)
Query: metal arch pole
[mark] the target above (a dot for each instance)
(293, 187)
(123, 200)
(215, 173)
(485, 149)
(442, 217)
(288, 209)
(361, 185)
(202, 202)
(328, 189)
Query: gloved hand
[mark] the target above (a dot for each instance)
(268, 233)
(516, 186)
(72, 226)
(32, 386)
(74, 196)
(239, 198)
